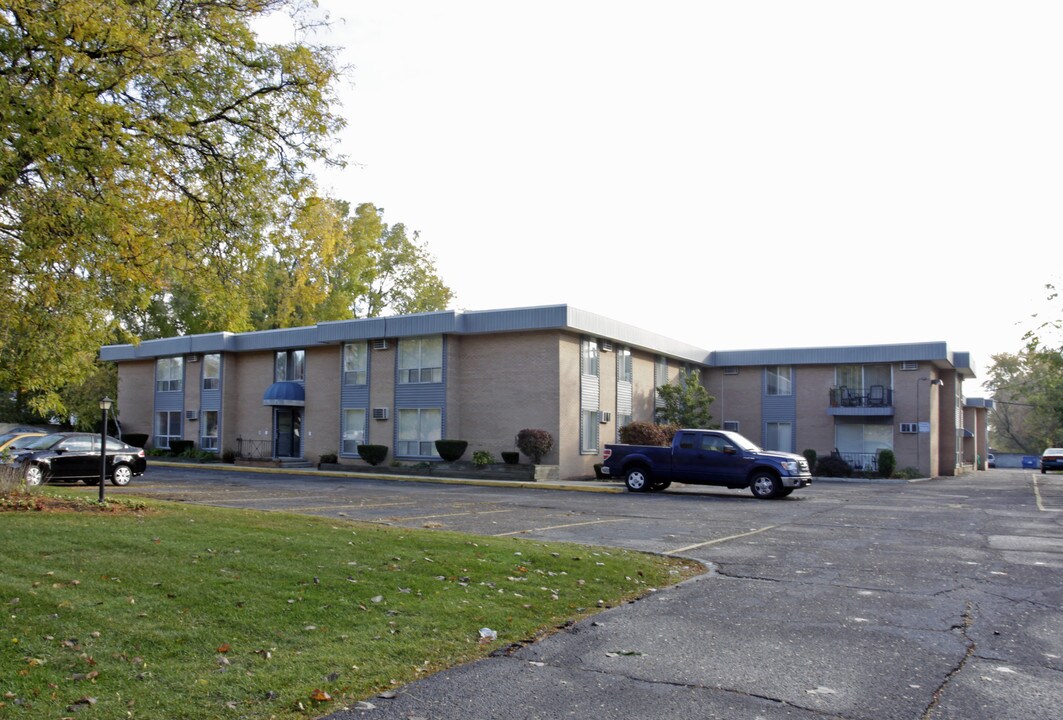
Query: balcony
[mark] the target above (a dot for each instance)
(872, 400)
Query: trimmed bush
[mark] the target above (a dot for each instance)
(833, 466)
(535, 443)
(482, 457)
(645, 433)
(180, 447)
(810, 456)
(451, 450)
(510, 458)
(373, 454)
(139, 440)
(329, 458)
(887, 463)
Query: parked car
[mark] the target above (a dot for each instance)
(73, 456)
(1051, 459)
(10, 442)
(991, 459)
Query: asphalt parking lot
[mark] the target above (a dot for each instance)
(938, 599)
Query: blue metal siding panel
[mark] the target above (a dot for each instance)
(423, 324)
(420, 395)
(210, 400)
(343, 330)
(169, 402)
(831, 356)
(354, 396)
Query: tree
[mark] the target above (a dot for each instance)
(145, 149)
(686, 401)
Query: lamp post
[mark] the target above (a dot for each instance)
(105, 405)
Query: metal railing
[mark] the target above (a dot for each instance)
(253, 449)
(861, 462)
(869, 397)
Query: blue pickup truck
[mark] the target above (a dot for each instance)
(707, 457)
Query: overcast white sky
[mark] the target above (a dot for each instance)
(731, 174)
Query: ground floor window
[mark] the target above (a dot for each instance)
(859, 442)
(353, 430)
(779, 436)
(167, 428)
(622, 421)
(590, 432)
(418, 431)
(208, 440)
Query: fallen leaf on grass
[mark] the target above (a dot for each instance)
(320, 696)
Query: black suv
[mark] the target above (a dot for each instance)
(73, 456)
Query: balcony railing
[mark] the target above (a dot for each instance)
(253, 449)
(861, 462)
(873, 396)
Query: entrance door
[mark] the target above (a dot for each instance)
(289, 429)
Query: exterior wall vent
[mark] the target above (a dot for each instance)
(191, 415)
(193, 358)
(909, 427)
(730, 370)
(909, 365)
(732, 425)
(380, 413)
(606, 346)
(380, 344)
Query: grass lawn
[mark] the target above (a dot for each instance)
(167, 610)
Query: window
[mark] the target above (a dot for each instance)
(167, 428)
(779, 436)
(732, 425)
(417, 432)
(169, 374)
(289, 365)
(211, 371)
(590, 356)
(353, 430)
(623, 365)
(208, 440)
(780, 380)
(660, 377)
(355, 362)
(590, 432)
(421, 360)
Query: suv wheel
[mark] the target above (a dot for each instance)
(637, 480)
(765, 485)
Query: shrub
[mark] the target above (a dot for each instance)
(887, 463)
(598, 472)
(510, 458)
(482, 457)
(833, 466)
(329, 458)
(810, 456)
(645, 433)
(373, 454)
(535, 443)
(180, 447)
(451, 450)
(139, 440)
(908, 473)
(229, 456)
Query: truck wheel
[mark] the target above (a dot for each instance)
(637, 480)
(765, 485)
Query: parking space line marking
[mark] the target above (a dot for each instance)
(558, 527)
(1037, 495)
(442, 515)
(719, 540)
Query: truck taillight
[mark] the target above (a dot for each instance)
(606, 453)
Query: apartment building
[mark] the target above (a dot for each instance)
(406, 381)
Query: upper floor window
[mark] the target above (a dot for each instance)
(421, 360)
(211, 371)
(169, 374)
(624, 371)
(590, 356)
(355, 363)
(289, 365)
(780, 380)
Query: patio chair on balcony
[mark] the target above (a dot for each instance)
(876, 396)
(846, 397)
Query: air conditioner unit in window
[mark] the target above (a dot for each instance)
(380, 344)
(191, 415)
(380, 413)
(604, 417)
